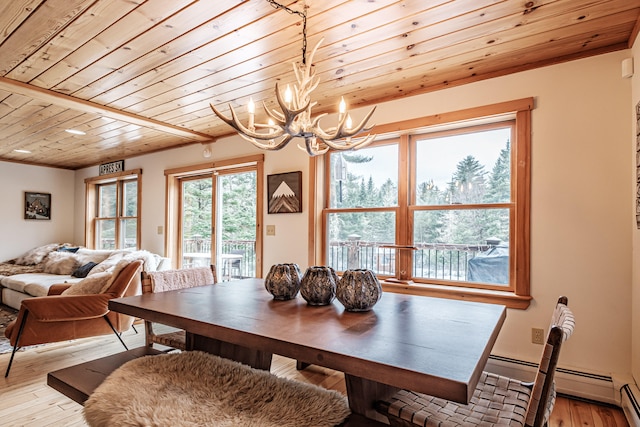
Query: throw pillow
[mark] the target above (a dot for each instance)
(108, 264)
(93, 255)
(36, 255)
(84, 270)
(90, 285)
(60, 263)
(148, 259)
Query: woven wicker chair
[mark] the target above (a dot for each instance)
(168, 280)
(497, 400)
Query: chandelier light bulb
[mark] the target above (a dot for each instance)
(288, 95)
(251, 107)
(342, 107)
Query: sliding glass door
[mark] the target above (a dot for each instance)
(218, 221)
(196, 210)
(236, 222)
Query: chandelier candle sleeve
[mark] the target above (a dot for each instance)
(251, 108)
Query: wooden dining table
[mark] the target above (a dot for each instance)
(429, 345)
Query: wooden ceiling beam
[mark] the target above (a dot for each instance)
(67, 101)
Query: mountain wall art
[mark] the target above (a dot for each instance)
(285, 192)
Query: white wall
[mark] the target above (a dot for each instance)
(288, 245)
(581, 186)
(19, 234)
(582, 199)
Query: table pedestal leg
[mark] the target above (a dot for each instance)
(248, 356)
(364, 393)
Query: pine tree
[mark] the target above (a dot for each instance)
(196, 220)
(429, 225)
(499, 191)
(499, 185)
(239, 206)
(467, 226)
(468, 183)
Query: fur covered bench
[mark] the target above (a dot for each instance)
(197, 389)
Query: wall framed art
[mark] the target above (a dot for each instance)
(37, 205)
(284, 191)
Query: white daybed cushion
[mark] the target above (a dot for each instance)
(13, 298)
(35, 284)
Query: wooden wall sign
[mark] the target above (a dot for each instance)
(111, 167)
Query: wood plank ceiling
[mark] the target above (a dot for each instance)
(137, 76)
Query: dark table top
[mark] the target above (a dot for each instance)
(430, 345)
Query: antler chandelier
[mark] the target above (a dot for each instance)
(295, 119)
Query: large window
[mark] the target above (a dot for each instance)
(438, 209)
(112, 211)
(462, 205)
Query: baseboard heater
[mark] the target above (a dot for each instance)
(630, 405)
(585, 385)
(570, 382)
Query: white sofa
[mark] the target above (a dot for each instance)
(33, 273)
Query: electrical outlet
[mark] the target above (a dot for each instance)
(537, 336)
(271, 230)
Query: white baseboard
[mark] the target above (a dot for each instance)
(630, 397)
(621, 391)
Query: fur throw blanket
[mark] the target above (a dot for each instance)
(170, 280)
(199, 389)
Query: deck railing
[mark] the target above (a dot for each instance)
(240, 268)
(430, 260)
(199, 250)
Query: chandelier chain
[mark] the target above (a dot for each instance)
(303, 14)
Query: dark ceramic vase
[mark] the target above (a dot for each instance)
(318, 285)
(283, 281)
(358, 290)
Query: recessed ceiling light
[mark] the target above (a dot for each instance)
(75, 131)
(22, 151)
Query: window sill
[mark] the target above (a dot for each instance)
(509, 299)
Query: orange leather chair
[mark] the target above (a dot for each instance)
(67, 317)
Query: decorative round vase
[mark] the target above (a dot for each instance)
(358, 290)
(318, 285)
(283, 281)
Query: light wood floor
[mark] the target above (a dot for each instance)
(26, 400)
